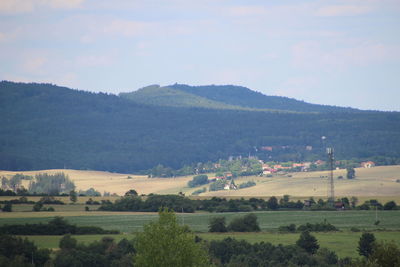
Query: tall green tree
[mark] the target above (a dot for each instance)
(366, 244)
(73, 196)
(351, 173)
(166, 243)
(308, 242)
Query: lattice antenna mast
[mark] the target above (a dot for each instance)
(331, 188)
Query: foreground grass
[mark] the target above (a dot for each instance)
(129, 222)
(343, 243)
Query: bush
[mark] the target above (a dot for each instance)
(317, 227)
(217, 224)
(308, 242)
(57, 226)
(391, 205)
(198, 180)
(291, 228)
(38, 206)
(199, 191)
(90, 201)
(247, 184)
(247, 223)
(51, 200)
(7, 207)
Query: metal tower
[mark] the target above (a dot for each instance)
(331, 188)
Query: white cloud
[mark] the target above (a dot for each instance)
(16, 6)
(34, 64)
(247, 10)
(314, 55)
(26, 6)
(343, 10)
(126, 27)
(93, 60)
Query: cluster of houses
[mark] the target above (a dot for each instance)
(228, 179)
(271, 169)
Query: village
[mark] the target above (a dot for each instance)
(225, 172)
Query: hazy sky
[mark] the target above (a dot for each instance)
(344, 53)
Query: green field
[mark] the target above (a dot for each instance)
(269, 220)
(343, 243)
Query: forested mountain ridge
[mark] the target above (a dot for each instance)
(46, 126)
(223, 97)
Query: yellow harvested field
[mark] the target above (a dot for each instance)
(377, 181)
(114, 182)
(374, 182)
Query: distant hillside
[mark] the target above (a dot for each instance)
(44, 126)
(223, 97)
(166, 96)
(244, 97)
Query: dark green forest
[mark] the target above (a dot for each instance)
(46, 126)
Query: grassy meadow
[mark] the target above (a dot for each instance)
(129, 222)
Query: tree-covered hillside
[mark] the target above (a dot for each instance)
(244, 97)
(45, 126)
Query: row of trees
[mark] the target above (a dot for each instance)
(56, 226)
(215, 204)
(177, 202)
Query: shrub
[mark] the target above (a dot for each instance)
(291, 228)
(51, 200)
(308, 242)
(57, 226)
(366, 244)
(391, 205)
(247, 223)
(7, 207)
(90, 201)
(198, 180)
(217, 224)
(38, 206)
(199, 191)
(317, 227)
(247, 184)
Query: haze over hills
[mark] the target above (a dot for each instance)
(223, 97)
(47, 127)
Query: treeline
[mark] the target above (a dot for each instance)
(180, 203)
(56, 226)
(236, 167)
(310, 227)
(51, 127)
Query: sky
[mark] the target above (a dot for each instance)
(344, 53)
